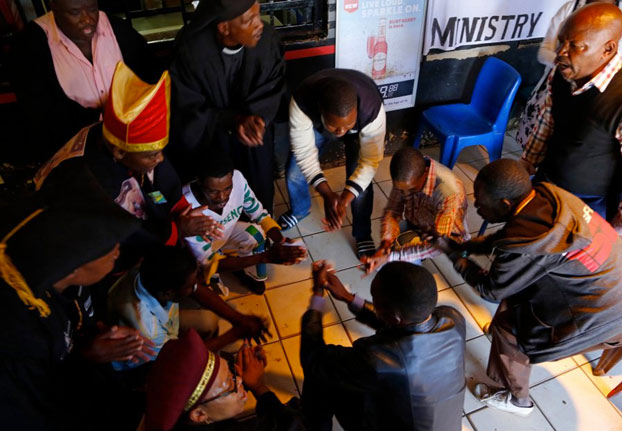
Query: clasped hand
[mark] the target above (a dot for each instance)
(192, 222)
(285, 254)
(118, 343)
(250, 130)
(324, 278)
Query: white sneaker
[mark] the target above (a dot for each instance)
(500, 399)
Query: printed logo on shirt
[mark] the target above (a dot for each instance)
(157, 197)
(250, 202)
(604, 237)
(207, 245)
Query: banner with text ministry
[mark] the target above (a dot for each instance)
(383, 39)
(452, 23)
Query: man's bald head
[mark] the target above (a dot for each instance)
(601, 17)
(588, 40)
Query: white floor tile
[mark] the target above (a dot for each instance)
(482, 310)
(288, 304)
(251, 304)
(278, 373)
(334, 334)
(606, 384)
(467, 181)
(548, 370)
(587, 357)
(337, 247)
(386, 187)
(280, 275)
(509, 143)
(476, 152)
(383, 173)
(449, 297)
(572, 402)
(466, 425)
(513, 156)
(446, 268)
(471, 168)
(441, 282)
(489, 419)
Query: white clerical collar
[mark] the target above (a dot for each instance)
(229, 51)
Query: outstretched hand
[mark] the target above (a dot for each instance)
(286, 254)
(334, 212)
(372, 263)
(255, 327)
(192, 222)
(118, 343)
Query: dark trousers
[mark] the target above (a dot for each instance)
(298, 189)
(507, 364)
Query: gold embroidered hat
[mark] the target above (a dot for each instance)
(181, 376)
(137, 114)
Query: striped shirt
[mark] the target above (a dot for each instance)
(438, 209)
(535, 147)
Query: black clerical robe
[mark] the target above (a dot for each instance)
(209, 88)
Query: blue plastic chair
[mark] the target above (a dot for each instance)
(481, 122)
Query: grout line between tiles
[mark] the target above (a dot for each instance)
(467, 309)
(291, 370)
(542, 412)
(598, 389)
(470, 423)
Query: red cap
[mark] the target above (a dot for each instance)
(181, 376)
(136, 116)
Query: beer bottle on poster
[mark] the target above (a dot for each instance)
(379, 65)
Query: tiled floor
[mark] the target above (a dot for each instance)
(566, 395)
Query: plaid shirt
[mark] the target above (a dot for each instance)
(535, 147)
(439, 209)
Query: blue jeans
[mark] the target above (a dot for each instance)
(298, 189)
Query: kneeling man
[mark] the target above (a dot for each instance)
(556, 270)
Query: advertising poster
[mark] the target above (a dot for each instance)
(451, 24)
(383, 39)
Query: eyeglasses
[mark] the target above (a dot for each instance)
(231, 390)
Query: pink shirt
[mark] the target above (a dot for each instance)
(86, 83)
